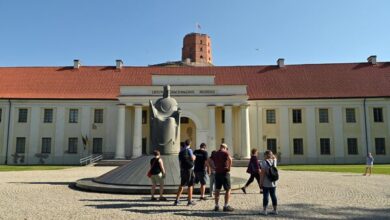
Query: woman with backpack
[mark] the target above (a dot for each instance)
(268, 177)
(253, 169)
(157, 175)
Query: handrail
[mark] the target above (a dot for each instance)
(90, 159)
(85, 160)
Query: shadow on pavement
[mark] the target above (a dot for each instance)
(289, 211)
(43, 183)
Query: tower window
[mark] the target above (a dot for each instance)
(201, 49)
(201, 57)
(201, 42)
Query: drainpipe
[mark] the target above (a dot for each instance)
(8, 129)
(365, 123)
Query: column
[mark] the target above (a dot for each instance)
(137, 140)
(245, 132)
(120, 133)
(338, 134)
(211, 135)
(34, 136)
(59, 135)
(311, 134)
(229, 128)
(284, 134)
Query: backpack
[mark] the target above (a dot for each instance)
(273, 173)
(185, 160)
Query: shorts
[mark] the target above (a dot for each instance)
(222, 179)
(187, 177)
(201, 177)
(157, 179)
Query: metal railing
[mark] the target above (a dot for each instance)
(90, 159)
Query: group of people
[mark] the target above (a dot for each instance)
(196, 167)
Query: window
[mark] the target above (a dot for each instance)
(350, 115)
(323, 115)
(223, 116)
(201, 49)
(48, 115)
(352, 146)
(184, 120)
(22, 115)
(73, 115)
(201, 42)
(380, 147)
(20, 145)
(325, 146)
(46, 145)
(271, 145)
(72, 145)
(144, 117)
(297, 115)
(98, 116)
(271, 119)
(201, 57)
(97, 146)
(298, 146)
(378, 115)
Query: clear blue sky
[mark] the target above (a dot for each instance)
(54, 32)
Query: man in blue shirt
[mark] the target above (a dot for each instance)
(186, 160)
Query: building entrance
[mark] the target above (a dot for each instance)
(188, 131)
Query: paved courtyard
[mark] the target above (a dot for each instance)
(302, 195)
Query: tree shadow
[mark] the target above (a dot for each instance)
(43, 183)
(290, 211)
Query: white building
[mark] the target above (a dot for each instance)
(317, 113)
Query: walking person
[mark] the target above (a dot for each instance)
(212, 173)
(253, 169)
(223, 164)
(186, 160)
(369, 164)
(267, 182)
(158, 175)
(201, 167)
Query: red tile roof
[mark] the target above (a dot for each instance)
(264, 82)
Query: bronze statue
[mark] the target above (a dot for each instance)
(165, 124)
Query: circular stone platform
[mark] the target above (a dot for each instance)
(131, 178)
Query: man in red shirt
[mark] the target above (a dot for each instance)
(223, 163)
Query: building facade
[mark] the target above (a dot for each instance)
(307, 114)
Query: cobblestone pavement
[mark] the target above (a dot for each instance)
(302, 195)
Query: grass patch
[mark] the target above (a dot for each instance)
(377, 169)
(31, 168)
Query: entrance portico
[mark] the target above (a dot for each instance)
(201, 103)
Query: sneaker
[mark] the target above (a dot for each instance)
(177, 202)
(243, 190)
(153, 199)
(228, 208)
(163, 199)
(264, 212)
(274, 212)
(202, 198)
(191, 203)
(216, 208)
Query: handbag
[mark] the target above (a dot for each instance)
(149, 174)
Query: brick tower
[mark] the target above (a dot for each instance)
(197, 49)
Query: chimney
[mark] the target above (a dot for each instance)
(280, 62)
(119, 64)
(76, 64)
(372, 59)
